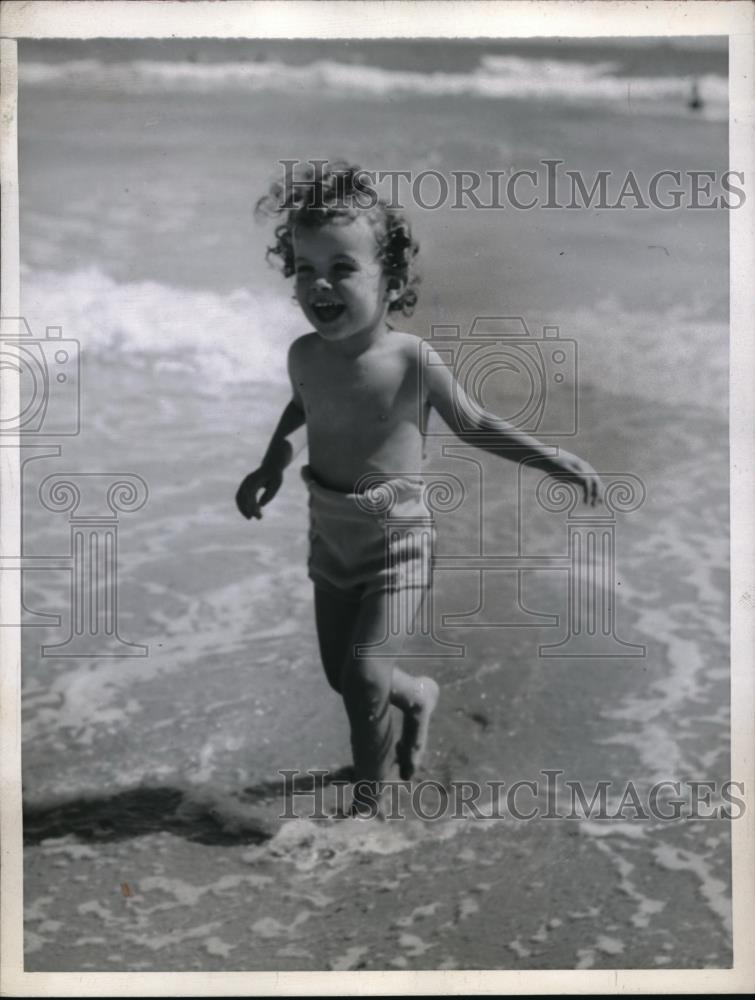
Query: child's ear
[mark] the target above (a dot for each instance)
(394, 289)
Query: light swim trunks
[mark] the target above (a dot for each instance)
(379, 539)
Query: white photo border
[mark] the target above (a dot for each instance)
(428, 19)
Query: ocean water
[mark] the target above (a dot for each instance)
(140, 174)
(495, 77)
(140, 166)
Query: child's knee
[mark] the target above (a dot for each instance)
(368, 679)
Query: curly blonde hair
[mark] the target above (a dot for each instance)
(341, 191)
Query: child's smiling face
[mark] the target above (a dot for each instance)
(340, 283)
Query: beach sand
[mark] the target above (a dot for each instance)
(151, 784)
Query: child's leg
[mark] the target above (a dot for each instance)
(342, 624)
(366, 684)
(416, 697)
(336, 620)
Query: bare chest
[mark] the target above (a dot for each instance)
(357, 396)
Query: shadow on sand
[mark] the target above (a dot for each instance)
(137, 812)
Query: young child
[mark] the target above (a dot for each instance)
(364, 391)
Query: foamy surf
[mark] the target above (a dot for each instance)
(497, 77)
(672, 847)
(242, 336)
(328, 846)
(239, 336)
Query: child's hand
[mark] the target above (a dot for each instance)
(581, 473)
(267, 479)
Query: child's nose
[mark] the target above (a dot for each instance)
(322, 283)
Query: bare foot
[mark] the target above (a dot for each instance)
(411, 746)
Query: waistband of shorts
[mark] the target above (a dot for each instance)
(379, 495)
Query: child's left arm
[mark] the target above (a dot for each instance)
(483, 429)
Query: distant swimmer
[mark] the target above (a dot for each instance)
(695, 102)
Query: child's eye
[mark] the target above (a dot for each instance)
(341, 269)
(303, 269)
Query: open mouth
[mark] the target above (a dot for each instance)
(327, 312)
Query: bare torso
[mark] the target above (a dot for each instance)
(364, 413)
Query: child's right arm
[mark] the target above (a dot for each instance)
(280, 452)
(269, 476)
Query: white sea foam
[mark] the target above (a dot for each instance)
(714, 891)
(350, 959)
(326, 847)
(496, 77)
(242, 336)
(645, 907)
(214, 946)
